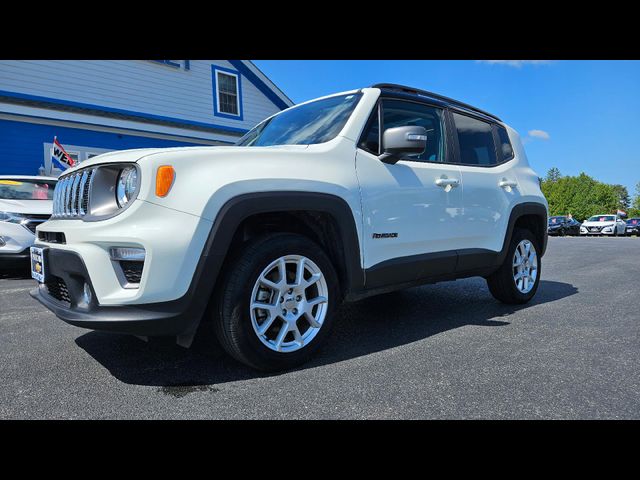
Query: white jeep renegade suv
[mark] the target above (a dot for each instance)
(334, 199)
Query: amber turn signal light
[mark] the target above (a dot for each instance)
(164, 180)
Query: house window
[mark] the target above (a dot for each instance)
(228, 93)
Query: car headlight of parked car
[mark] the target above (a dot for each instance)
(11, 217)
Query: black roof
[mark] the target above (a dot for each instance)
(423, 93)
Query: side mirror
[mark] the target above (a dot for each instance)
(400, 141)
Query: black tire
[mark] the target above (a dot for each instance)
(562, 232)
(501, 283)
(232, 322)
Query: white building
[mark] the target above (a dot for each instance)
(95, 106)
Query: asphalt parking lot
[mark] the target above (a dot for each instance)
(439, 351)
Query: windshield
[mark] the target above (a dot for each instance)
(602, 218)
(554, 220)
(314, 122)
(633, 221)
(20, 189)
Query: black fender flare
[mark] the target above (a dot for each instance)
(520, 210)
(239, 208)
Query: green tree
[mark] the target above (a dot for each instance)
(553, 175)
(581, 196)
(634, 211)
(624, 201)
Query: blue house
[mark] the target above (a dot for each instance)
(96, 106)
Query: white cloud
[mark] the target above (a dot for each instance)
(541, 134)
(515, 63)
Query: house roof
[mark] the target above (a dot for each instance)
(248, 69)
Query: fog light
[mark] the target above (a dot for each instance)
(85, 300)
(128, 253)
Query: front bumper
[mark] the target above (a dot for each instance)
(18, 257)
(155, 319)
(602, 231)
(165, 301)
(172, 242)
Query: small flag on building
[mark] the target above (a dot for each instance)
(61, 156)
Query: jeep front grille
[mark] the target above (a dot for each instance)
(71, 196)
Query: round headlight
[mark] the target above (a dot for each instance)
(126, 187)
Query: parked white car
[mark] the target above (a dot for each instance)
(603, 225)
(25, 202)
(335, 199)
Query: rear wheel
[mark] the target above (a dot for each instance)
(275, 307)
(517, 280)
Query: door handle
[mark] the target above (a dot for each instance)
(508, 183)
(447, 182)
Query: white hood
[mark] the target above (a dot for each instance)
(126, 156)
(34, 207)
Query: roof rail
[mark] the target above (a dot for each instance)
(417, 91)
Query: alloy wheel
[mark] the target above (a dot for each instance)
(525, 266)
(289, 303)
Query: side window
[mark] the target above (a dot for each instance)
(476, 141)
(398, 113)
(506, 150)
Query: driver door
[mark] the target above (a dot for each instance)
(410, 214)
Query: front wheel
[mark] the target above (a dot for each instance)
(276, 304)
(517, 280)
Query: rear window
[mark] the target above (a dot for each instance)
(475, 138)
(505, 149)
(19, 189)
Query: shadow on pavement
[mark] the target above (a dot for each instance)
(361, 328)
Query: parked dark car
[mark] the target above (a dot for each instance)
(561, 226)
(633, 227)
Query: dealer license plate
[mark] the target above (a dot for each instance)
(37, 264)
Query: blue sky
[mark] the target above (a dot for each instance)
(582, 115)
